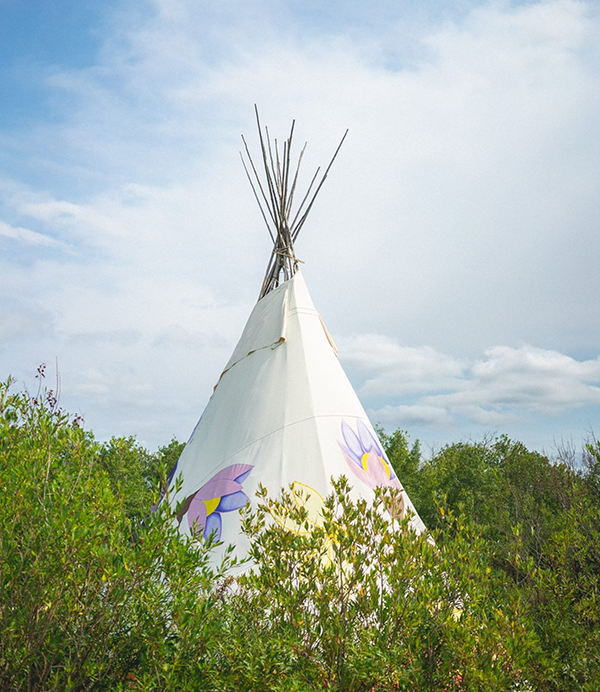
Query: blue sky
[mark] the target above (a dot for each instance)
(453, 252)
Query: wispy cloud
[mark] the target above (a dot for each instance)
(25, 235)
(392, 369)
(491, 391)
(22, 321)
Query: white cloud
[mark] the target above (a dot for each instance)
(25, 235)
(407, 416)
(461, 212)
(24, 320)
(492, 391)
(394, 369)
(122, 337)
(530, 378)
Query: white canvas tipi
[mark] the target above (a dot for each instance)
(283, 412)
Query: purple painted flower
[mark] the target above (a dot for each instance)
(368, 461)
(222, 493)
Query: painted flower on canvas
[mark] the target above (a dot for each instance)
(222, 493)
(313, 502)
(367, 460)
(306, 498)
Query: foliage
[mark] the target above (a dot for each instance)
(84, 600)
(564, 591)
(135, 473)
(405, 459)
(362, 603)
(498, 484)
(98, 592)
(540, 520)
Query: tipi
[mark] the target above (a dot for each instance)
(283, 412)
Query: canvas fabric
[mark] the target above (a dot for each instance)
(283, 412)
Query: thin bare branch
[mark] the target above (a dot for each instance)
(260, 206)
(295, 181)
(271, 211)
(312, 182)
(301, 223)
(266, 167)
(275, 197)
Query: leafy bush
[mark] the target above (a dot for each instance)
(360, 602)
(84, 599)
(97, 592)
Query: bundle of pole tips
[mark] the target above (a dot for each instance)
(274, 191)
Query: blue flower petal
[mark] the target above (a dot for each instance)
(213, 526)
(351, 456)
(242, 477)
(351, 439)
(230, 503)
(367, 439)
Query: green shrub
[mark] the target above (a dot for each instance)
(88, 597)
(98, 592)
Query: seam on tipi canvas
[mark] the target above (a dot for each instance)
(303, 311)
(272, 346)
(258, 439)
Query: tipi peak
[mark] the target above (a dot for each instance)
(275, 191)
(283, 414)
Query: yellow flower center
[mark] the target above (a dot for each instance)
(365, 462)
(211, 505)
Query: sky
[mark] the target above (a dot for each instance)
(453, 251)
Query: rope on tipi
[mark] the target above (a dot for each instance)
(275, 196)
